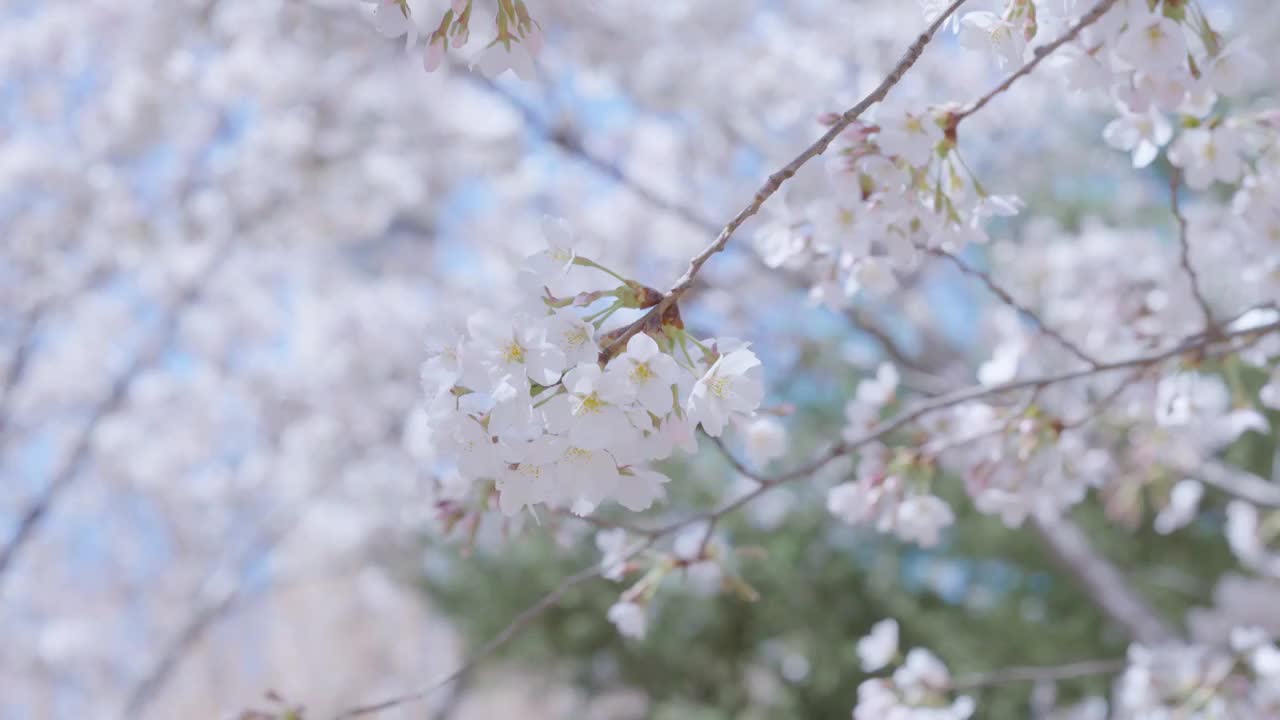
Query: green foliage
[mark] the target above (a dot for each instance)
(822, 588)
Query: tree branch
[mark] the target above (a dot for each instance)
(1094, 15)
(777, 179)
(1008, 299)
(1184, 254)
(569, 143)
(1105, 586)
(1034, 674)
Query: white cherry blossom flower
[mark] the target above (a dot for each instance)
(1184, 502)
(517, 346)
(912, 136)
(989, 32)
(921, 673)
(921, 518)
(1232, 69)
(731, 387)
(639, 488)
(545, 267)
(675, 431)
(592, 410)
(1269, 395)
(630, 619)
(878, 391)
(779, 240)
(879, 647)
(765, 440)
(531, 476)
(474, 449)
(391, 18)
(613, 546)
(649, 372)
(513, 55)
(511, 419)
(835, 224)
(575, 337)
(1208, 155)
(1142, 134)
(1153, 43)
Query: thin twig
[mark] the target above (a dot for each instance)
(1184, 254)
(514, 628)
(25, 345)
(1106, 400)
(1008, 299)
(17, 366)
(1033, 674)
(1040, 53)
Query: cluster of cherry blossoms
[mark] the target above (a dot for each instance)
(1155, 58)
(886, 493)
(896, 190)
(1239, 678)
(550, 409)
(517, 40)
(920, 687)
(697, 560)
(1196, 681)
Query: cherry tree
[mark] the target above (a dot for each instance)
(234, 226)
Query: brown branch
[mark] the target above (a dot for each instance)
(1008, 299)
(1184, 255)
(777, 179)
(569, 143)
(1040, 53)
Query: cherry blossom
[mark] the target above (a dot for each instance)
(731, 387)
(879, 647)
(765, 439)
(650, 373)
(1143, 134)
(629, 618)
(1208, 155)
(1153, 43)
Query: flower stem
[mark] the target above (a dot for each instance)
(559, 391)
(588, 262)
